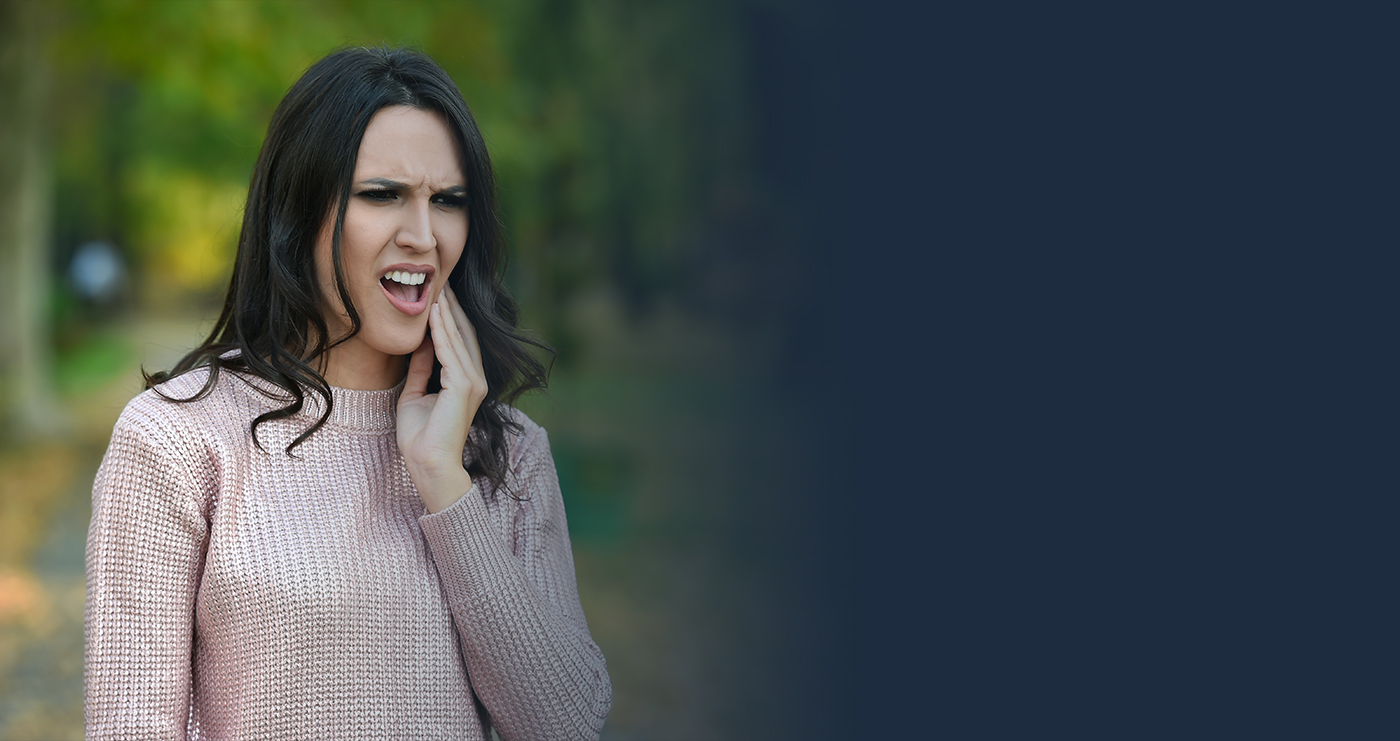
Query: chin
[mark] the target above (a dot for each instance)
(401, 343)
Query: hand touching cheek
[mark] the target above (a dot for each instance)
(432, 428)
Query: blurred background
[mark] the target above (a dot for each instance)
(657, 188)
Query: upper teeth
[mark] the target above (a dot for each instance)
(408, 279)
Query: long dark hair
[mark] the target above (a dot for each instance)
(273, 316)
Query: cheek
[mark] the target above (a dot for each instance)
(359, 243)
(450, 258)
(349, 265)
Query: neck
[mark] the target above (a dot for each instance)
(353, 366)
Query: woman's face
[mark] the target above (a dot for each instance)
(405, 228)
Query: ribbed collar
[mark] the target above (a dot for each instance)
(365, 411)
(373, 411)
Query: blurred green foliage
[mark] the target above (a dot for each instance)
(619, 131)
(86, 365)
(599, 485)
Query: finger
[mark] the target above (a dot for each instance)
(468, 331)
(444, 418)
(459, 315)
(452, 351)
(420, 369)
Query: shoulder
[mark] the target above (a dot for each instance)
(531, 440)
(532, 475)
(186, 410)
(153, 444)
(186, 430)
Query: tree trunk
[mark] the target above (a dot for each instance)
(26, 79)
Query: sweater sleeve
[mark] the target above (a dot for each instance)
(144, 550)
(528, 651)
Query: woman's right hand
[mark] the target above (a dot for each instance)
(432, 428)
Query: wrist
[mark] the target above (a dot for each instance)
(439, 490)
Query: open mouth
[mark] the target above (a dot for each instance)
(407, 289)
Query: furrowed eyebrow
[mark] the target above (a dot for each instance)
(459, 191)
(384, 183)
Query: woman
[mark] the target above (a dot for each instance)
(327, 521)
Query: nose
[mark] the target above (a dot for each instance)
(416, 228)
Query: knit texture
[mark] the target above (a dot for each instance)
(234, 593)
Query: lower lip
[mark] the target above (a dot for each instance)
(411, 309)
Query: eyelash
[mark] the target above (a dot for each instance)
(384, 196)
(378, 195)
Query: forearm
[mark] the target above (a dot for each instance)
(535, 668)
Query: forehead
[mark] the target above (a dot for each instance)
(411, 146)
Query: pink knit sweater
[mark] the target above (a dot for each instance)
(234, 593)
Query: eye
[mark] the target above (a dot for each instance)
(380, 196)
(449, 201)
